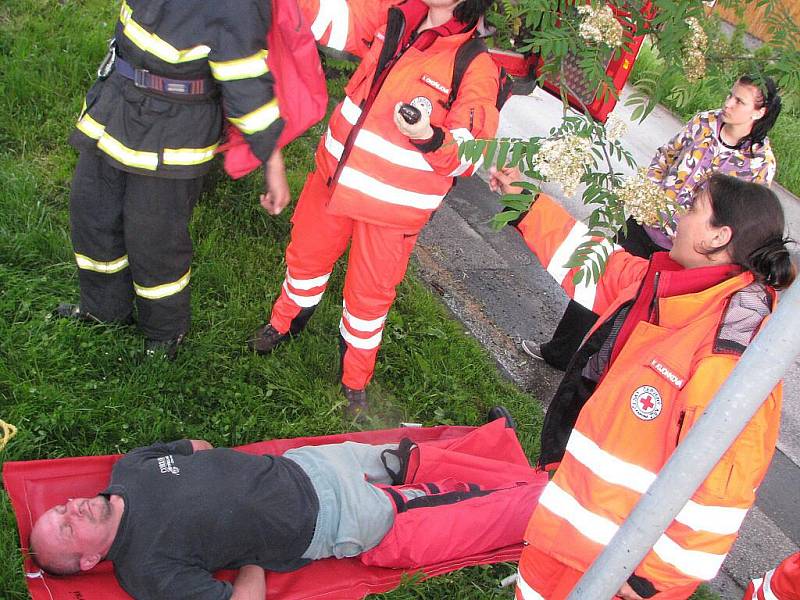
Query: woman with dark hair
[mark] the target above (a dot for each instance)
(671, 330)
(732, 141)
(379, 176)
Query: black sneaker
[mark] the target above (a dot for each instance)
(357, 406)
(501, 412)
(163, 348)
(266, 339)
(74, 312)
(532, 349)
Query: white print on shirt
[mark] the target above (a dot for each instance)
(667, 373)
(646, 402)
(435, 84)
(167, 465)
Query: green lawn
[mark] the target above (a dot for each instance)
(80, 390)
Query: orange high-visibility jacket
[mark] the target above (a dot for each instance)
(346, 25)
(781, 583)
(374, 172)
(641, 408)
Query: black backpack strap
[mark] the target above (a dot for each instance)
(465, 54)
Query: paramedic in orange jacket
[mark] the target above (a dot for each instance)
(671, 330)
(378, 179)
(781, 583)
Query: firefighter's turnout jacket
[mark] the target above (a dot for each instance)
(175, 135)
(666, 340)
(373, 188)
(781, 583)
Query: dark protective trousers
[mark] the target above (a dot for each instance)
(577, 320)
(130, 234)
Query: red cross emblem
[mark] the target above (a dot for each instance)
(646, 402)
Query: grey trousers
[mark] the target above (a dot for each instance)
(354, 515)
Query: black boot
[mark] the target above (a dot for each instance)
(164, 348)
(357, 407)
(266, 339)
(501, 412)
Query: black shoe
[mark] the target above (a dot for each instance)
(163, 348)
(266, 339)
(357, 406)
(402, 454)
(74, 312)
(532, 349)
(501, 412)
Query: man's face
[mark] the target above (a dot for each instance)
(78, 527)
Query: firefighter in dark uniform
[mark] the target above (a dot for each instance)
(146, 135)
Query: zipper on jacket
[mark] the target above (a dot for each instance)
(681, 419)
(653, 312)
(365, 105)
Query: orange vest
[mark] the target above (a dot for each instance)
(375, 173)
(651, 395)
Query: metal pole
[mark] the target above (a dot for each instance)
(759, 370)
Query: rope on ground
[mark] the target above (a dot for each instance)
(9, 431)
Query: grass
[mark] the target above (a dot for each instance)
(80, 390)
(710, 93)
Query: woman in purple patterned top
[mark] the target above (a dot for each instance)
(732, 141)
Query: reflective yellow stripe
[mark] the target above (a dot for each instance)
(162, 291)
(189, 156)
(153, 44)
(240, 68)
(91, 127)
(259, 119)
(100, 266)
(128, 156)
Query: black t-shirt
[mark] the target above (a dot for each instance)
(189, 514)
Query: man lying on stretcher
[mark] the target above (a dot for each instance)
(175, 513)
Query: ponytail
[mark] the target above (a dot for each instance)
(469, 11)
(771, 101)
(772, 263)
(755, 216)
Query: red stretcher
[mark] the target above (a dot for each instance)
(490, 456)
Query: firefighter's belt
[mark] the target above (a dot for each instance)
(142, 78)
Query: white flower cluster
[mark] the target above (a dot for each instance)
(600, 25)
(694, 51)
(644, 200)
(615, 128)
(563, 161)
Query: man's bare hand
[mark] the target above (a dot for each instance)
(502, 181)
(277, 195)
(421, 130)
(626, 593)
(198, 445)
(249, 584)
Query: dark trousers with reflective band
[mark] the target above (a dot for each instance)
(131, 238)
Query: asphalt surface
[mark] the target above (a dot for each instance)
(496, 287)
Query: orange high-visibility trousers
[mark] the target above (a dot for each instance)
(376, 265)
(781, 583)
(542, 577)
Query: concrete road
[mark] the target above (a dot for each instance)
(498, 289)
